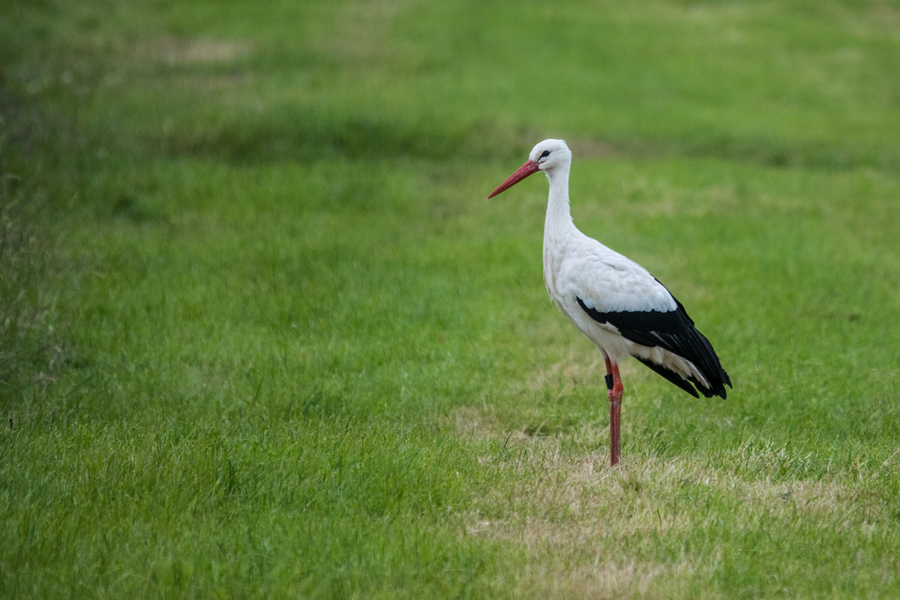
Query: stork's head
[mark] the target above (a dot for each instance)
(546, 156)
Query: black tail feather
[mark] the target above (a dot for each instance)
(715, 389)
(671, 376)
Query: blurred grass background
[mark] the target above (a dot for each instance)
(262, 336)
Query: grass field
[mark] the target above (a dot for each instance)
(261, 335)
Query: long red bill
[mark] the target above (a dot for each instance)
(529, 168)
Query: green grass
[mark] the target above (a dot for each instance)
(262, 336)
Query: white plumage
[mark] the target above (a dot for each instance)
(614, 301)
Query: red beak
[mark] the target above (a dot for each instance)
(529, 168)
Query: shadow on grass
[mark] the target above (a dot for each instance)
(293, 134)
(33, 352)
(758, 151)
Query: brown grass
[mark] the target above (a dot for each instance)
(176, 51)
(571, 513)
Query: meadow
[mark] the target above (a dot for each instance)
(261, 334)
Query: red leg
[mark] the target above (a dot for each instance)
(615, 410)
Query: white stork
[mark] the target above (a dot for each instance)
(614, 301)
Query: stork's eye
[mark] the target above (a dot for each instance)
(545, 154)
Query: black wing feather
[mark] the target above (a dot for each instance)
(673, 331)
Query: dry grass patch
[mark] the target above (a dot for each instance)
(567, 498)
(610, 579)
(178, 51)
(594, 531)
(473, 423)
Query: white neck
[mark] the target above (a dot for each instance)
(559, 230)
(558, 223)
